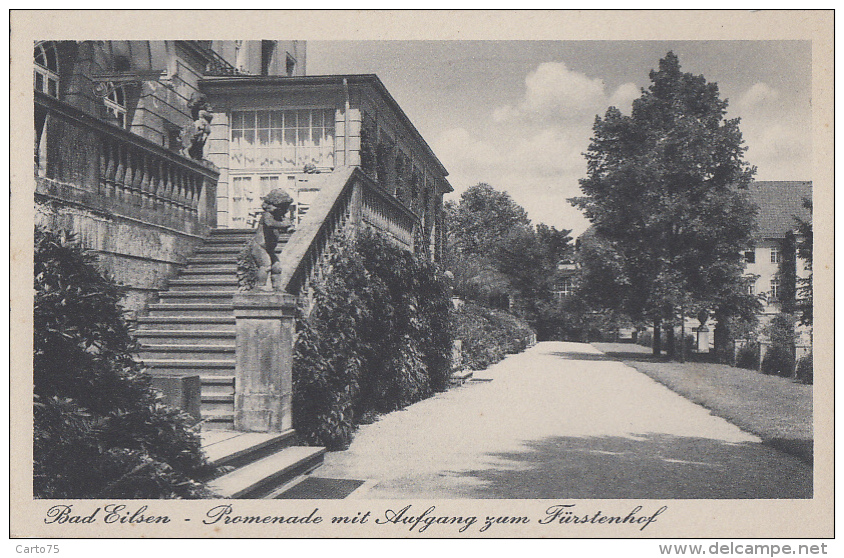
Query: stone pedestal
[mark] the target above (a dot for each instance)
(179, 391)
(702, 339)
(265, 324)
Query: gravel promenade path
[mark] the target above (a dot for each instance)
(561, 420)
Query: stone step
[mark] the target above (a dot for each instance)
(199, 269)
(207, 367)
(199, 352)
(215, 405)
(239, 448)
(207, 259)
(219, 249)
(182, 323)
(230, 231)
(216, 275)
(222, 296)
(185, 337)
(195, 284)
(261, 477)
(216, 385)
(217, 420)
(190, 309)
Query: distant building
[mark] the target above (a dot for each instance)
(780, 204)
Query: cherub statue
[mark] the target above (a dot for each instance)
(193, 136)
(275, 220)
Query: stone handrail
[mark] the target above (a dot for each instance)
(83, 160)
(348, 200)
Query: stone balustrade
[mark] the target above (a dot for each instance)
(82, 160)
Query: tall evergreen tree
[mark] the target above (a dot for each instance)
(666, 187)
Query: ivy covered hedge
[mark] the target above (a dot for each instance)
(488, 335)
(378, 339)
(100, 431)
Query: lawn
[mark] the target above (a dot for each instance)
(778, 410)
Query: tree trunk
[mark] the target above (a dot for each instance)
(682, 336)
(671, 341)
(657, 340)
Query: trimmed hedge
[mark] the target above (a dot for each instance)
(805, 369)
(378, 339)
(489, 335)
(100, 431)
(747, 356)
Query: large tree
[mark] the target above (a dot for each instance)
(494, 249)
(666, 188)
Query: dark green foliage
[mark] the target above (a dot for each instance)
(779, 358)
(778, 361)
(379, 338)
(666, 190)
(805, 372)
(99, 430)
(805, 251)
(788, 274)
(488, 335)
(247, 269)
(496, 255)
(747, 356)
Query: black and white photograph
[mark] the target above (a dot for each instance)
(422, 274)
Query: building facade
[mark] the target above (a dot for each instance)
(780, 204)
(111, 160)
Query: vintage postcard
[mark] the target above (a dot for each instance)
(422, 274)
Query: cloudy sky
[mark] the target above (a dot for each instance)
(518, 114)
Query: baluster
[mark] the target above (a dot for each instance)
(169, 191)
(178, 193)
(120, 173)
(194, 195)
(133, 178)
(145, 188)
(108, 166)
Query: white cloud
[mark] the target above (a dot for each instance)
(759, 96)
(623, 97)
(555, 93)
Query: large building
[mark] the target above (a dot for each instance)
(780, 205)
(114, 161)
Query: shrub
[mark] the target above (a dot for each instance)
(379, 338)
(779, 358)
(747, 356)
(488, 335)
(805, 373)
(778, 361)
(100, 431)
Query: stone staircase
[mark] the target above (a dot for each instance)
(191, 330)
(257, 465)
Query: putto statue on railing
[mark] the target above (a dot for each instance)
(193, 136)
(258, 261)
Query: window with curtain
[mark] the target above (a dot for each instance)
(281, 139)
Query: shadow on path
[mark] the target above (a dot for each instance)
(648, 466)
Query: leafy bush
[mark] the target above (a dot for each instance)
(778, 361)
(100, 431)
(779, 358)
(379, 338)
(488, 335)
(747, 356)
(805, 372)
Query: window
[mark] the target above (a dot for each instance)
(776, 254)
(115, 103)
(564, 288)
(751, 286)
(47, 68)
(282, 139)
(775, 288)
(291, 65)
(750, 256)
